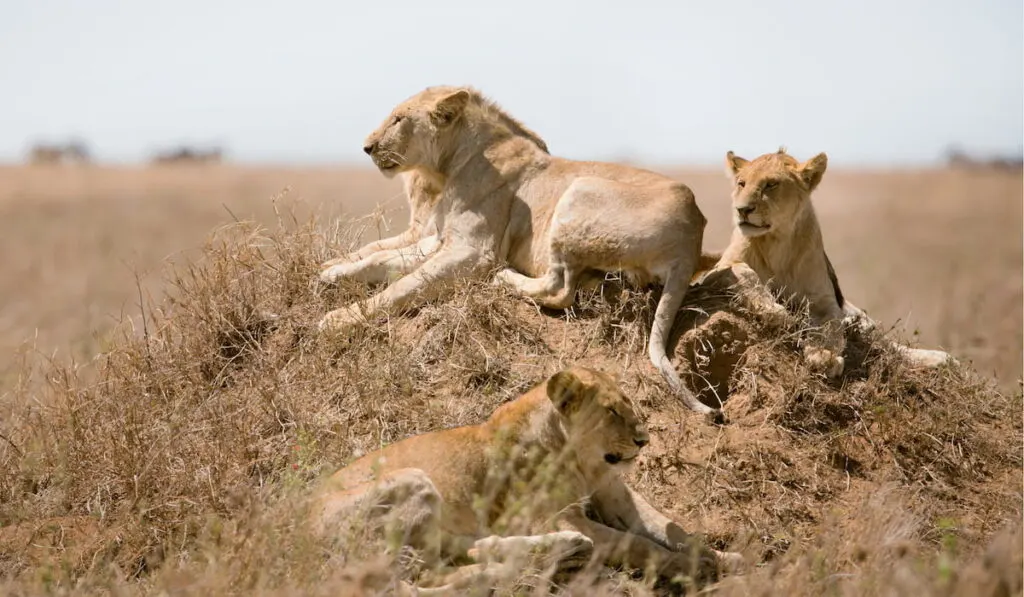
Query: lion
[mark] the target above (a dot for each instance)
(396, 256)
(777, 240)
(544, 474)
(547, 222)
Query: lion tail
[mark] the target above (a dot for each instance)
(676, 283)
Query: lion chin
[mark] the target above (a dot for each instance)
(751, 230)
(389, 169)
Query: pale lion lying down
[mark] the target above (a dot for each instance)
(548, 465)
(393, 257)
(777, 240)
(507, 202)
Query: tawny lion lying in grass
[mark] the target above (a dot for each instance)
(547, 467)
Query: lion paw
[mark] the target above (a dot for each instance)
(925, 358)
(335, 261)
(332, 273)
(700, 567)
(483, 546)
(341, 320)
(731, 562)
(822, 360)
(502, 278)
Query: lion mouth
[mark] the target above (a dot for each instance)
(749, 228)
(388, 168)
(619, 458)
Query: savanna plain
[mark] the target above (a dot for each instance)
(165, 402)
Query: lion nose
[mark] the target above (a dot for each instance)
(641, 441)
(368, 149)
(745, 210)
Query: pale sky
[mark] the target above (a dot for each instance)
(872, 82)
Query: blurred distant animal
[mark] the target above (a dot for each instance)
(73, 152)
(956, 158)
(188, 155)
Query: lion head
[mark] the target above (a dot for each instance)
(600, 421)
(423, 128)
(771, 192)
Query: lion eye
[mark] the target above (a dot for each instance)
(770, 185)
(615, 414)
(741, 183)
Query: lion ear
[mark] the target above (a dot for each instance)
(812, 170)
(733, 164)
(566, 391)
(449, 107)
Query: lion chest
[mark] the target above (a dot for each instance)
(525, 492)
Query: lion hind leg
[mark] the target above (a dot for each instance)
(923, 357)
(916, 357)
(556, 289)
(404, 503)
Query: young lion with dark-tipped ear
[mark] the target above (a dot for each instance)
(777, 241)
(543, 473)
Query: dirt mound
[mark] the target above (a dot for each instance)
(205, 425)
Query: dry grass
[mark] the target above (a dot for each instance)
(178, 463)
(934, 251)
(75, 239)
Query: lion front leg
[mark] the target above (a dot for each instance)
(382, 266)
(749, 289)
(419, 287)
(825, 343)
(620, 548)
(616, 502)
(559, 548)
(916, 357)
(400, 241)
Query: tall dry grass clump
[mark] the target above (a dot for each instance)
(180, 463)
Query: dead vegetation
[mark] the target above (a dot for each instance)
(179, 464)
